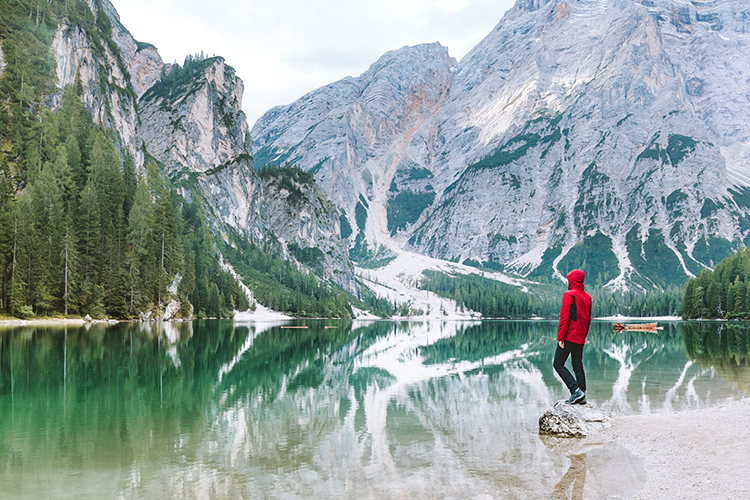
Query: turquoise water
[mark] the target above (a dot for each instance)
(216, 409)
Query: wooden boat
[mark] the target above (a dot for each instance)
(637, 327)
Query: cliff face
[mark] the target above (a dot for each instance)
(354, 134)
(576, 132)
(196, 129)
(196, 125)
(142, 60)
(106, 89)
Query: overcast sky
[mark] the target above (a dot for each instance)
(283, 49)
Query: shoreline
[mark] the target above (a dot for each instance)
(48, 322)
(699, 453)
(250, 317)
(620, 317)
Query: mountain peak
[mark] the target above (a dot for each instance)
(530, 5)
(575, 132)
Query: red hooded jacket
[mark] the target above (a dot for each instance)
(575, 314)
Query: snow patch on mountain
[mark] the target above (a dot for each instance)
(398, 281)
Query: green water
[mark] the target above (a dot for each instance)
(214, 409)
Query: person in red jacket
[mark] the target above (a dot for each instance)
(575, 318)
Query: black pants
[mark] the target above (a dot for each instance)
(575, 351)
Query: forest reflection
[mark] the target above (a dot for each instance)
(722, 347)
(335, 409)
(188, 366)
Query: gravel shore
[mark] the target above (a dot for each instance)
(42, 322)
(698, 454)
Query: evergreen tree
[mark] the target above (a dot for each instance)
(165, 232)
(140, 243)
(69, 263)
(130, 181)
(75, 162)
(89, 229)
(731, 296)
(740, 297)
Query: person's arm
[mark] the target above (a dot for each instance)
(562, 327)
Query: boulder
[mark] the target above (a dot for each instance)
(87, 319)
(573, 421)
(170, 312)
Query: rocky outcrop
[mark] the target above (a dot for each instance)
(573, 421)
(608, 132)
(354, 134)
(198, 132)
(192, 123)
(2, 62)
(86, 59)
(142, 59)
(197, 126)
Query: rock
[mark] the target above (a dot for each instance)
(199, 133)
(103, 83)
(87, 319)
(171, 310)
(573, 421)
(3, 64)
(394, 97)
(550, 129)
(142, 60)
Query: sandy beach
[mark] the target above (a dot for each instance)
(698, 454)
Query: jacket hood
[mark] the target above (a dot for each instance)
(575, 279)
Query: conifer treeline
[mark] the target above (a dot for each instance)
(86, 236)
(496, 299)
(723, 293)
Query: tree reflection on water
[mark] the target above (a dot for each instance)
(721, 347)
(388, 409)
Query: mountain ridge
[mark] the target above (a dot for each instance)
(138, 178)
(573, 126)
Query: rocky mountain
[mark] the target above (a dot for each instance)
(189, 119)
(98, 59)
(355, 134)
(604, 134)
(206, 152)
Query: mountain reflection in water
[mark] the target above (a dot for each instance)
(216, 409)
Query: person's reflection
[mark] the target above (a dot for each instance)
(575, 477)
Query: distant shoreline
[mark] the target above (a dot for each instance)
(244, 317)
(46, 322)
(619, 317)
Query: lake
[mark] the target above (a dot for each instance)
(340, 409)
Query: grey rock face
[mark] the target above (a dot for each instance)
(612, 130)
(142, 60)
(354, 134)
(575, 421)
(110, 104)
(200, 135)
(197, 127)
(3, 64)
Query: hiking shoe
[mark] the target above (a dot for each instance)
(576, 397)
(582, 401)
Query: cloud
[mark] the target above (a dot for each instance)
(286, 48)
